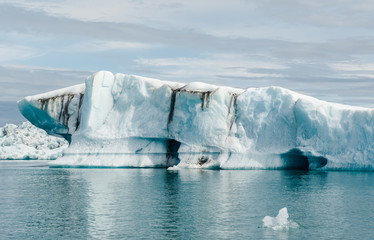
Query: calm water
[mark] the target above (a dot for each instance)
(37, 202)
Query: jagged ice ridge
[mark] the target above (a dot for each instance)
(130, 121)
(28, 142)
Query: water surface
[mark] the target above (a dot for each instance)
(41, 202)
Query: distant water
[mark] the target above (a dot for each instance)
(37, 202)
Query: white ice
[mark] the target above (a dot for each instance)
(57, 111)
(126, 120)
(280, 222)
(26, 141)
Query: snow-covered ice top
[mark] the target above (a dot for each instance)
(143, 122)
(26, 141)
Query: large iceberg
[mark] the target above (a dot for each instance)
(130, 121)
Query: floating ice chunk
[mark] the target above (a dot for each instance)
(174, 168)
(279, 222)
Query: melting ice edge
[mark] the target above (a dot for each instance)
(130, 121)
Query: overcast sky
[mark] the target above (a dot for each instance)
(320, 48)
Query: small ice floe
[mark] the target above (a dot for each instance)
(279, 222)
(175, 168)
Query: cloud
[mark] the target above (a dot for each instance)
(286, 19)
(106, 35)
(212, 68)
(11, 52)
(218, 60)
(330, 14)
(20, 81)
(157, 13)
(327, 13)
(92, 46)
(323, 49)
(353, 67)
(352, 70)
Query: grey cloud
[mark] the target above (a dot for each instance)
(17, 82)
(172, 5)
(335, 50)
(21, 20)
(334, 13)
(351, 91)
(317, 80)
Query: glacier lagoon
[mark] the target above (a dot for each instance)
(38, 202)
(115, 121)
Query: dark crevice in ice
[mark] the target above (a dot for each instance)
(5, 131)
(295, 159)
(232, 110)
(79, 111)
(172, 156)
(145, 147)
(172, 105)
(316, 162)
(204, 96)
(63, 112)
(202, 160)
(66, 115)
(205, 99)
(139, 150)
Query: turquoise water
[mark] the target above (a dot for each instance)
(37, 202)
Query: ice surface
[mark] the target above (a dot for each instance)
(120, 120)
(280, 222)
(26, 141)
(57, 112)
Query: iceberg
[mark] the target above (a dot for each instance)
(27, 142)
(280, 222)
(119, 120)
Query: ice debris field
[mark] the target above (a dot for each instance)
(26, 141)
(119, 120)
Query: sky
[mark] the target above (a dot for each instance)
(320, 48)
